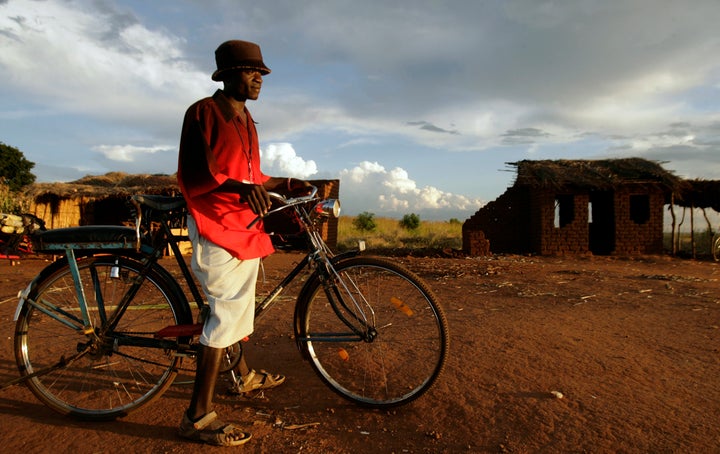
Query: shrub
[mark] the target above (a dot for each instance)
(365, 222)
(410, 222)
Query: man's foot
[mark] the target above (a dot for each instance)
(212, 431)
(254, 381)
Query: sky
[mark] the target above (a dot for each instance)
(416, 106)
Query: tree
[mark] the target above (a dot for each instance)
(410, 222)
(365, 222)
(15, 170)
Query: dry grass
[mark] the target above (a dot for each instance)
(11, 202)
(389, 235)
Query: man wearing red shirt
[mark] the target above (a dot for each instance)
(219, 175)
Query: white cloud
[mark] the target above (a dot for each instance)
(394, 193)
(280, 159)
(129, 153)
(82, 59)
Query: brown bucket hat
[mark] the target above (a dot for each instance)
(238, 54)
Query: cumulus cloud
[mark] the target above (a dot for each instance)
(281, 159)
(394, 193)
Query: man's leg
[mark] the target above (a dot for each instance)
(208, 365)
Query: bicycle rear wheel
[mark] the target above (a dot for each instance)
(400, 342)
(114, 373)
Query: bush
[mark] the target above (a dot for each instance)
(15, 170)
(365, 222)
(410, 222)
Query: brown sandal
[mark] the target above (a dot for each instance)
(212, 431)
(257, 380)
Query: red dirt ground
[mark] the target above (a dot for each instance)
(632, 344)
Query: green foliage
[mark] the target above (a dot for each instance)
(365, 222)
(410, 222)
(15, 170)
(454, 221)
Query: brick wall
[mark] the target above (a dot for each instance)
(632, 237)
(500, 226)
(523, 220)
(571, 238)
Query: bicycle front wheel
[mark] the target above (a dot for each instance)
(100, 373)
(377, 335)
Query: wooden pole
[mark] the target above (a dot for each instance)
(692, 229)
(673, 246)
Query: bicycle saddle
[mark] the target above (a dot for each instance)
(160, 202)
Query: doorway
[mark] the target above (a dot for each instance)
(601, 223)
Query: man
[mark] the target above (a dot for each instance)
(219, 175)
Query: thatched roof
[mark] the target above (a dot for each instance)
(116, 184)
(600, 174)
(700, 194)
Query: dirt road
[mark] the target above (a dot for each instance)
(548, 354)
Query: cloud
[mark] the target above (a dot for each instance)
(394, 193)
(129, 153)
(280, 159)
(524, 136)
(425, 126)
(91, 58)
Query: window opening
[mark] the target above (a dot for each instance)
(564, 210)
(640, 208)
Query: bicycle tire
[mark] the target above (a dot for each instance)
(113, 378)
(409, 351)
(716, 247)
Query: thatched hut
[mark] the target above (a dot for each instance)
(102, 200)
(576, 207)
(94, 200)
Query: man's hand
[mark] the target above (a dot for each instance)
(256, 196)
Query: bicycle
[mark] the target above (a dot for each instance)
(103, 330)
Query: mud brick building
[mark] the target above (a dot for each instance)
(562, 207)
